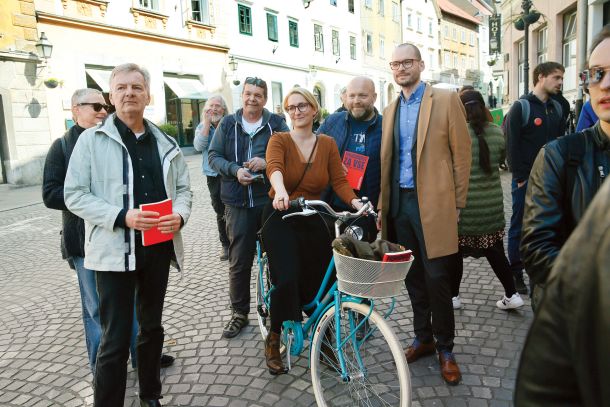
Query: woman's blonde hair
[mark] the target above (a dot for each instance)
(309, 98)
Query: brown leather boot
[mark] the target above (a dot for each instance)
(272, 354)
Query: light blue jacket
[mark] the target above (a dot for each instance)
(99, 184)
(201, 143)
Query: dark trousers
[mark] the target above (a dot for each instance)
(242, 225)
(499, 264)
(428, 281)
(219, 208)
(117, 292)
(516, 224)
(299, 250)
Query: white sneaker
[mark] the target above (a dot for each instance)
(510, 303)
(457, 304)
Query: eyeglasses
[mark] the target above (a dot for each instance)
(593, 76)
(301, 107)
(253, 80)
(407, 63)
(96, 106)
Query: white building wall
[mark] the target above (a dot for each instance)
(428, 42)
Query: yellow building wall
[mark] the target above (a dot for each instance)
(18, 22)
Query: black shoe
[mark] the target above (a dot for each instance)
(520, 284)
(167, 360)
(224, 254)
(235, 325)
(149, 403)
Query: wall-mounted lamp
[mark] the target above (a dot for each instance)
(43, 47)
(337, 60)
(313, 71)
(275, 47)
(306, 3)
(233, 68)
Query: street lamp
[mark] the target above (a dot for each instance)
(44, 47)
(527, 18)
(233, 67)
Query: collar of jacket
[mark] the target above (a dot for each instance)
(239, 114)
(601, 139)
(168, 147)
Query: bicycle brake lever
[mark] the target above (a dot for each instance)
(305, 212)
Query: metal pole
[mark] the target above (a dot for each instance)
(581, 21)
(526, 5)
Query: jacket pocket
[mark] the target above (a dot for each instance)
(93, 229)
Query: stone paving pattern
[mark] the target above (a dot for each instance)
(42, 348)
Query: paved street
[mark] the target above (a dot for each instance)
(42, 349)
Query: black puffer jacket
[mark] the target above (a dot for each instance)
(549, 217)
(54, 174)
(565, 358)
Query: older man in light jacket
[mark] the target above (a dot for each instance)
(115, 167)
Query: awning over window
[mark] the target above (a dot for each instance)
(186, 88)
(101, 77)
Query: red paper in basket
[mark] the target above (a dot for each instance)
(397, 257)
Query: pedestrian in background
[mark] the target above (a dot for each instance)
(425, 166)
(587, 117)
(237, 153)
(358, 130)
(114, 168)
(214, 110)
(566, 175)
(481, 226)
(526, 134)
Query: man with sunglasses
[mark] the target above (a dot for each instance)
(425, 170)
(566, 174)
(237, 153)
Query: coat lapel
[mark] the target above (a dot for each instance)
(423, 120)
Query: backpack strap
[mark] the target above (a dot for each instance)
(573, 151)
(525, 112)
(558, 108)
(64, 148)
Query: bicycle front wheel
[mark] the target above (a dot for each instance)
(376, 367)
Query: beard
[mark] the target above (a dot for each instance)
(361, 113)
(215, 118)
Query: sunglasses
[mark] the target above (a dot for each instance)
(593, 76)
(253, 80)
(96, 106)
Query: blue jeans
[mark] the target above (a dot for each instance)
(516, 224)
(91, 316)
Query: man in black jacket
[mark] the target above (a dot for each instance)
(533, 120)
(237, 153)
(88, 109)
(566, 175)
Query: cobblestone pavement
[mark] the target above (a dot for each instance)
(42, 349)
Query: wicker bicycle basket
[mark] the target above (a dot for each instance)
(369, 278)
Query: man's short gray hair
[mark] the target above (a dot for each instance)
(220, 99)
(79, 94)
(131, 67)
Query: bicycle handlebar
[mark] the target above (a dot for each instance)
(307, 204)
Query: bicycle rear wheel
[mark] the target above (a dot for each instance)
(377, 368)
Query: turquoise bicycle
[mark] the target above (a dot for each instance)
(355, 357)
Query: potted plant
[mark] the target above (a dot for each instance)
(169, 129)
(52, 83)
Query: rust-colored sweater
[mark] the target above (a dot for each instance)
(284, 156)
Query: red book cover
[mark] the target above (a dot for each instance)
(356, 166)
(393, 257)
(153, 235)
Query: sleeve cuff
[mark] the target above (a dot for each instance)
(120, 219)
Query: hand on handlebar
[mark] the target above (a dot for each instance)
(357, 204)
(281, 201)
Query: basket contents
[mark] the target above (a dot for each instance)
(379, 250)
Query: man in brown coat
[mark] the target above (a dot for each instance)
(425, 167)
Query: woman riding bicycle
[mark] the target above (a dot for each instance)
(299, 164)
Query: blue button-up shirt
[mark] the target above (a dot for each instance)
(409, 110)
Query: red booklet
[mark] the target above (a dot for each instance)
(356, 166)
(397, 257)
(153, 235)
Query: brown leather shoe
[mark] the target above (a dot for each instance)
(272, 354)
(449, 368)
(418, 349)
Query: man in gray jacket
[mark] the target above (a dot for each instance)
(237, 153)
(115, 167)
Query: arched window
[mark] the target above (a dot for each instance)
(319, 95)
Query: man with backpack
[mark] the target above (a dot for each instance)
(534, 120)
(566, 175)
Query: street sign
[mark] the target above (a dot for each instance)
(495, 28)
